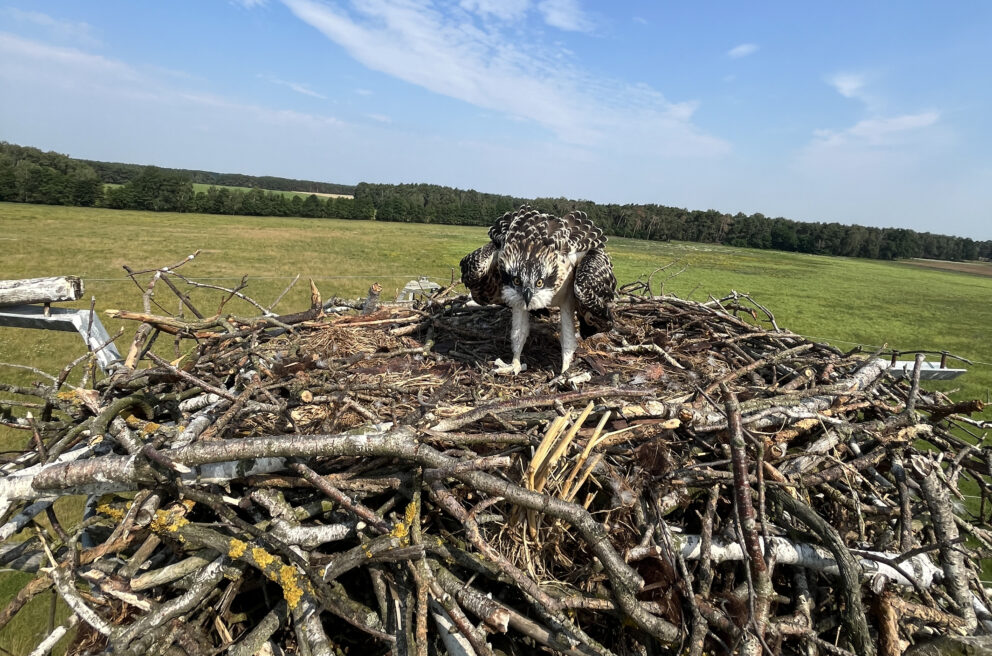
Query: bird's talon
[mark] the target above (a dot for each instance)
(501, 368)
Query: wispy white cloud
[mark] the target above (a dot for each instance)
(495, 68)
(857, 86)
(565, 15)
(862, 87)
(75, 32)
(363, 92)
(876, 128)
(640, 20)
(894, 170)
(743, 50)
(881, 168)
(381, 118)
(849, 85)
(248, 4)
(416, 43)
(59, 61)
(879, 131)
(98, 107)
(77, 74)
(295, 86)
(506, 10)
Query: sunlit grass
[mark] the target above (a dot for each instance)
(200, 186)
(845, 300)
(32, 623)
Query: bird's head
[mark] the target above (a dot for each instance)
(529, 278)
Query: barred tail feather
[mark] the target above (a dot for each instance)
(595, 287)
(480, 275)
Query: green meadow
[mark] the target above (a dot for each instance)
(843, 301)
(199, 186)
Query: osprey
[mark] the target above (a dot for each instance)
(534, 261)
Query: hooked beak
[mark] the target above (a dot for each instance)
(528, 294)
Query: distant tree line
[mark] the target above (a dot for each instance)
(31, 176)
(28, 175)
(424, 203)
(168, 190)
(117, 173)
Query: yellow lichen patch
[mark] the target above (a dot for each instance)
(291, 589)
(71, 396)
(160, 521)
(169, 520)
(262, 557)
(150, 427)
(401, 531)
(117, 514)
(237, 548)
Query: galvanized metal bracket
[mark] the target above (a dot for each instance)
(928, 370)
(84, 322)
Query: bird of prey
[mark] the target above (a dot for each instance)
(534, 261)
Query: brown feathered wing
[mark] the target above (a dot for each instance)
(594, 293)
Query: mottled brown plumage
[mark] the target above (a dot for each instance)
(534, 260)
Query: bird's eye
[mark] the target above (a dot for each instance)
(539, 283)
(517, 282)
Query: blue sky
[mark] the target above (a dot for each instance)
(856, 112)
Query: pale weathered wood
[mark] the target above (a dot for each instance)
(40, 290)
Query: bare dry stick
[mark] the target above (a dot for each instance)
(942, 519)
(760, 576)
(853, 612)
(274, 303)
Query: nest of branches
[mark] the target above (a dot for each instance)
(357, 479)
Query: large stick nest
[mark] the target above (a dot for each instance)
(701, 481)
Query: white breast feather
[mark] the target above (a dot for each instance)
(575, 257)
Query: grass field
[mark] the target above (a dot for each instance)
(973, 268)
(842, 300)
(845, 301)
(198, 187)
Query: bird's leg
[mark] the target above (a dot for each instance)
(518, 335)
(567, 336)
